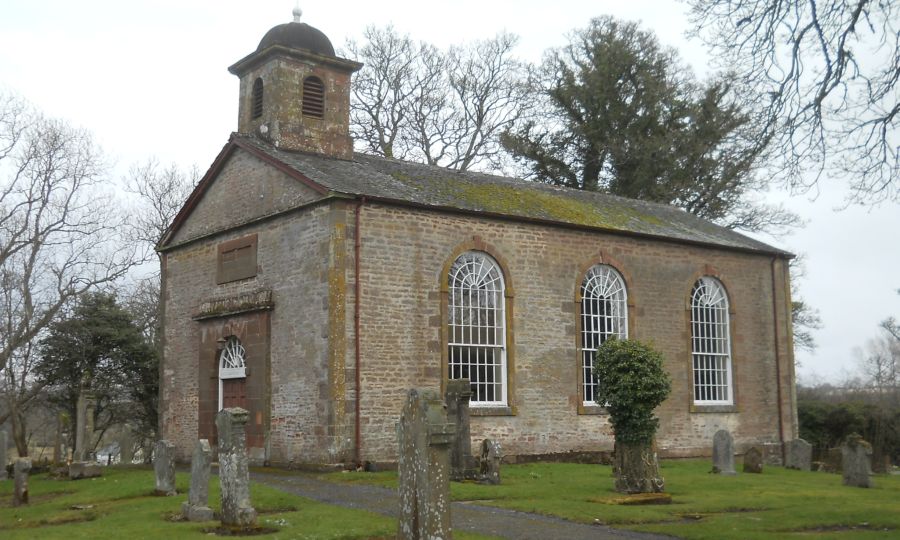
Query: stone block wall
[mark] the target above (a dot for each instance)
(405, 253)
(285, 126)
(292, 386)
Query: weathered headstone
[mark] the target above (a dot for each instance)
(84, 469)
(164, 467)
(20, 472)
(457, 396)
(723, 453)
(798, 455)
(753, 460)
(197, 506)
(126, 448)
(489, 469)
(3, 449)
(424, 434)
(234, 472)
(857, 462)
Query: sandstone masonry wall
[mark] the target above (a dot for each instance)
(294, 252)
(405, 251)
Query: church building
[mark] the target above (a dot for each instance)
(313, 286)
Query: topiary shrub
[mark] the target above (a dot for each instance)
(631, 383)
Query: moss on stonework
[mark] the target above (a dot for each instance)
(534, 203)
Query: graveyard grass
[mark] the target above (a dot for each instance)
(124, 507)
(779, 503)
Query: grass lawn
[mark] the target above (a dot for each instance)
(776, 504)
(124, 507)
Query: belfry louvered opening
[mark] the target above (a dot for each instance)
(313, 97)
(256, 107)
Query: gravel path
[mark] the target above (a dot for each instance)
(466, 516)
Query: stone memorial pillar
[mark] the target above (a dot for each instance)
(857, 462)
(82, 466)
(4, 443)
(490, 462)
(57, 440)
(197, 506)
(798, 455)
(82, 436)
(164, 467)
(234, 472)
(753, 460)
(20, 472)
(457, 396)
(424, 435)
(723, 453)
(126, 448)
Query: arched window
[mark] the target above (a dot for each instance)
(604, 314)
(256, 108)
(313, 97)
(232, 374)
(710, 343)
(477, 327)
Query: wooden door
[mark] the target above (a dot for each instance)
(234, 393)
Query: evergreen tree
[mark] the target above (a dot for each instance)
(622, 115)
(99, 347)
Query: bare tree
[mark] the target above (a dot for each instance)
(19, 393)
(805, 319)
(161, 192)
(59, 232)
(823, 76)
(59, 237)
(413, 101)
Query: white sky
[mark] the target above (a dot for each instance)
(149, 78)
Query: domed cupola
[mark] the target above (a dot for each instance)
(297, 35)
(295, 93)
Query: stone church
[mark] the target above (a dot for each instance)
(313, 286)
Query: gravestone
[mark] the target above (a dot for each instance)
(82, 466)
(79, 470)
(20, 473)
(3, 449)
(424, 435)
(197, 506)
(798, 455)
(234, 472)
(857, 462)
(164, 467)
(489, 470)
(457, 396)
(753, 460)
(723, 453)
(126, 448)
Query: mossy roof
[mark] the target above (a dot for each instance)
(430, 186)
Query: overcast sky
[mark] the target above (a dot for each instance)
(149, 78)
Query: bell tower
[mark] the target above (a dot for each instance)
(295, 92)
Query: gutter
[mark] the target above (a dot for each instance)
(357, 248)
(777, 360)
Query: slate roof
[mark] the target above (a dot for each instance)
(402, 182)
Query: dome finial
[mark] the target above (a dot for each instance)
(297, 12)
